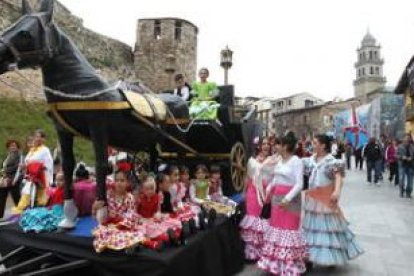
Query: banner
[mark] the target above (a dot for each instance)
(383, 115)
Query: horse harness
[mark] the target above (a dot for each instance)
(18, 55)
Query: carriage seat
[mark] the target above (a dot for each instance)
(146, 104)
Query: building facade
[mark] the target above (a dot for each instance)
(296, 101)
(309, 121)
(405, 88)
(165, 47)
(369, 68)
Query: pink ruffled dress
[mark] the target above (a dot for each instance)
(252, 226)
(284, 248)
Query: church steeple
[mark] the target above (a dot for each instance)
(369, 67)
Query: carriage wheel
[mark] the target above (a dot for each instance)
(238, 166)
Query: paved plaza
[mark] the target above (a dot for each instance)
(384, 225)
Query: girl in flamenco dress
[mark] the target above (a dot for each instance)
(252, 225)
(284, 249)
(121, 229)
(331, 242)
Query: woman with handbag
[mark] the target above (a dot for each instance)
(9, 181)
(284, 249)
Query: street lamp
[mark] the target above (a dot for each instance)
(226, 62)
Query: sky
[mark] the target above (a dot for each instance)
(280, 47)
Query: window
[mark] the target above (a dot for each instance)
(371, 70)
(375, 54)
(370, 55)
(157, 29)
(305, 119)
(377, 70)
(308, 103)
(360, 56)
(363, 71)
(280, 104)
(178, 27)
(289, 102)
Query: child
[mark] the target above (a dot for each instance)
(56, 196)
(214, 186)
(120, 201)
(148, 201)
(185, 179)
(84, 191)
(164, 184)
(121, 229)
(199, 189)
(177, 188)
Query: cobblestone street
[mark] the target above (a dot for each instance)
(384, 225)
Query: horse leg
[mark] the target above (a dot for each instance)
(68, 164)
(99, 137)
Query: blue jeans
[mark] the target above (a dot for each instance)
(405, 172)
(376, 166)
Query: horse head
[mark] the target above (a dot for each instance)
(31, 41)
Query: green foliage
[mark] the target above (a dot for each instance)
(97, 62)
(18, 119)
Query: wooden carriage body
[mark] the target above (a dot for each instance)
(226, 142)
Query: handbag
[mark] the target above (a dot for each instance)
(265, 213)
(5, 182)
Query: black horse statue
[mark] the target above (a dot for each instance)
(81, 102)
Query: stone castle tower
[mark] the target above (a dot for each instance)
(165, 47)
(369, 73)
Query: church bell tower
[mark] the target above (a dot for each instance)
(369, 67)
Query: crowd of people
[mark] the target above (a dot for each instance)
(285, 233)
(293, 187)
(142, 207)
(380, 155)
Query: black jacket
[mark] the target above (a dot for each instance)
(11, 164)
(372, 152)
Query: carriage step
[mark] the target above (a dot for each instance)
(13, 270)
(11, 254)
(55, 270)
(32, 263)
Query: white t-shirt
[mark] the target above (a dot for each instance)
(289, 173)
(185, 93)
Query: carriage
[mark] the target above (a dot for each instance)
(226, 141)
(81, 103)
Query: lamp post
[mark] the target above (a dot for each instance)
(226, 62)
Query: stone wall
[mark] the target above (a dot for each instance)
(364, 86)
(303, 122)
(113, 58)
(159, 58)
